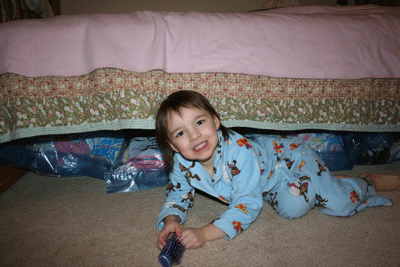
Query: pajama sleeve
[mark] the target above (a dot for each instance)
(246, 193)
(179, 197)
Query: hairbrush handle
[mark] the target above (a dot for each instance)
(172, 252)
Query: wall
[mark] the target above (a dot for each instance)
(119, 6)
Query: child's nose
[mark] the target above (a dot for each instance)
(194, 135)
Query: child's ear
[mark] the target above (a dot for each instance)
(173, 147)
(217, 122)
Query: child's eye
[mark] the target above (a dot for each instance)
(180, 134)
(200, 122)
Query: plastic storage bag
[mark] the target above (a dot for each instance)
(89, 154)
(331, 149)
(376, 148)
(144, 168)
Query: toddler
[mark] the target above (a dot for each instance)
(201, 154)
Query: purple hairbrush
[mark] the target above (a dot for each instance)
(172, 252)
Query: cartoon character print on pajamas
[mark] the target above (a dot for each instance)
(297, 189)
(234, 169)
(273, 202)
(178, 207)
(370, 184)
(270, 175)
(244, 142)
(289, 163)
(223, 199)
(354, 196)
(294, 146)
(302, 165)
(322, 168)
(242, 208)
(189, 173)
(188, 198)
(174, 205)
(321, 202)
(301, 187)
(238, 226)
(304, 186)
(171, 186)
(277, 147)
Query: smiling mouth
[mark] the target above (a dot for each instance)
(200, 146)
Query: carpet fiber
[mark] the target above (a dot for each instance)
(50, 221)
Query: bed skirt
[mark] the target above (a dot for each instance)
(114, 99)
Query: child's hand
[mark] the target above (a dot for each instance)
(196, 237)
(171, 225)
(193, 238)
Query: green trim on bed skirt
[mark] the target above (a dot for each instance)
(148, 124)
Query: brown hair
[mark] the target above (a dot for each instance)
(175, 102)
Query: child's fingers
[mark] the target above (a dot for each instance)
(186, 238)
(162, 237)
(160, 246)
(167, 232)
(178, 231)
(161, 241)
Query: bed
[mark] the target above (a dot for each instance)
(292, 68)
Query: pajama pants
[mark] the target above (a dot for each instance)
(296, 180)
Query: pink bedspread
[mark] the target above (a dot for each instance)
(296, 42)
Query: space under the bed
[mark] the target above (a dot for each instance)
(114, 99)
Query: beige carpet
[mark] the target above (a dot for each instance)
(49, 221)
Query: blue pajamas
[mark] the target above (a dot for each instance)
(285, 172)
(301, 181)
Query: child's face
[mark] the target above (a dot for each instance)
(194, 134)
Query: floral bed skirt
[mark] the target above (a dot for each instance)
(114, 99)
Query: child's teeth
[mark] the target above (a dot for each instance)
(200, 146)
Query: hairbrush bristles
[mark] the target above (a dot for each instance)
(172, 252)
